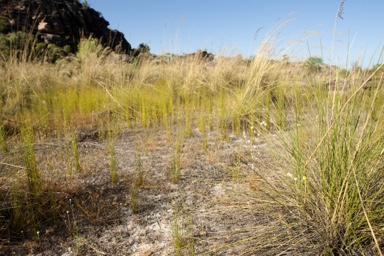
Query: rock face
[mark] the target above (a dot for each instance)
(60, 22)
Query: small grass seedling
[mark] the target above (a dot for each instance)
(75, 153)
(175, 171)
(112, 158)
(134, 198)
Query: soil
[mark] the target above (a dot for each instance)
(206, 211)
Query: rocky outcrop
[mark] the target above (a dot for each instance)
(60, 22)
(200, 55)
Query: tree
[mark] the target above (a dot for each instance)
(85, 4)
(143, 48)
(314, 63)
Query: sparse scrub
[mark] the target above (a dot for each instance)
(322, 187)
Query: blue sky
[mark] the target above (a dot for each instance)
(227, 27)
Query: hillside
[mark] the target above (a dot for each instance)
(59, 22)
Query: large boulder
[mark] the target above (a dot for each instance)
(59, 22)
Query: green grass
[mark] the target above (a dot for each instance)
(330, 183)
(32, 172)
(175, 168)
(139, 178)
(134, 198)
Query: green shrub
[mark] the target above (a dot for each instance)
(67, 49)
(314, 63)
(143, 48)
(89, 48)
(55, 53)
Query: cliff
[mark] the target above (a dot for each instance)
(59, 22)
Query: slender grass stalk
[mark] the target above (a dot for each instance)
(67, 157)
(112, 158)
(205, 140)
(33, 179)
(134, 200)
(175, 171)
(139, 180)
(18, 216)
(33, 175)
(345, 105)
(178, 239)
(3, 141)
(75, 153)
(188, 120)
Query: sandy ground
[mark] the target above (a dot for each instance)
(205, 212)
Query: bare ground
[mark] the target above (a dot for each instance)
(208, 211)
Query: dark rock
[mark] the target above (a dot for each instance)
(58, 22)
(200, 55)
(205, 55)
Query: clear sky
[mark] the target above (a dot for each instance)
(229, 27)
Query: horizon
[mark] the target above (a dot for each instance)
(228, 29)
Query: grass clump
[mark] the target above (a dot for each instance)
(182, 232)
(32, 173)
(75, 153)
(139, 177)
(345, 175)
(112, 158)
(175, 169)
(134, 198)
(328, 192)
